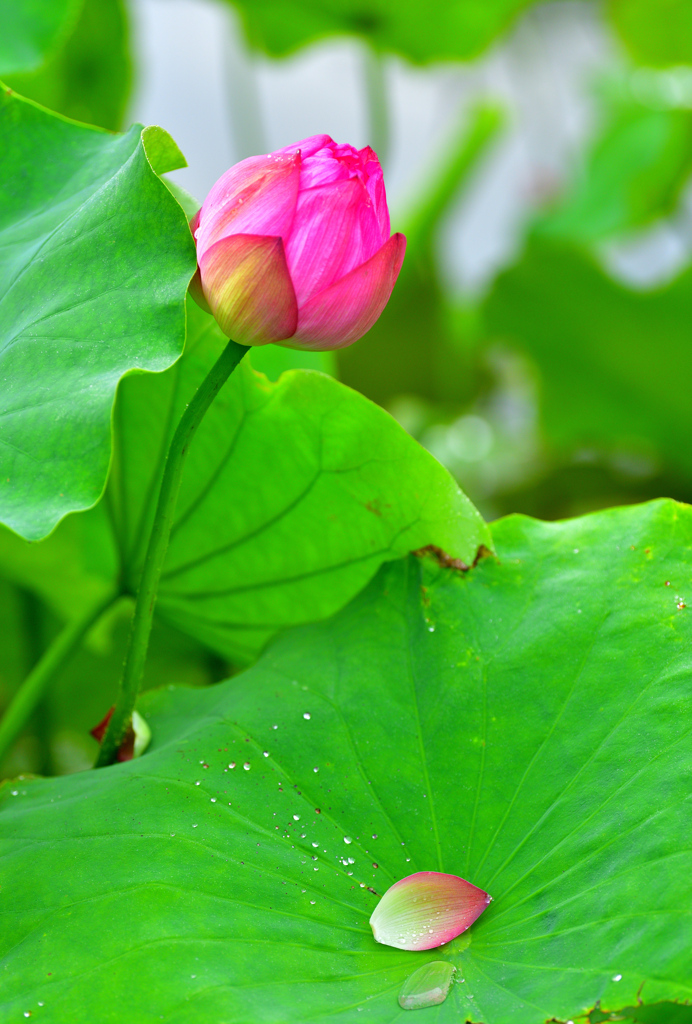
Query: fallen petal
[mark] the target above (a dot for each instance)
(427, 986)
(426, 910)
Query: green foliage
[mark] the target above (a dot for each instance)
(634, 170)
(89, 76)
(440, 31)
(614, 363)
(522, 724)
(336, 486)
(657, 32)
(90, 293)
(31, 29)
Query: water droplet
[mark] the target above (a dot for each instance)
(315, 769)
(28, 1013)
(316, 869)
(246, 766)
(213, 799)
(617, 977)
(194, 826)
(265, 753)
(15, 792)
(667, 583)
(296, 817)
(232, 764)
(312, 902)
(306, 715)
(351, 860)
(172, 834)
(347, 839)
(40, 1003)
(198, 783)
(315, 845)
(374, 836)
(431, 629)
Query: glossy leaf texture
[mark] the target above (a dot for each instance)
(525, 725)
(444, 30)
(96, 258)
(88, 77)
(31, 29)
(337, 488)
(293, 494)
(614, 363)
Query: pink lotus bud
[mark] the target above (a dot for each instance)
(426, 910)
(294, 247)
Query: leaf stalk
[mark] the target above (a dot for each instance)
(51, 663)
(140, 629)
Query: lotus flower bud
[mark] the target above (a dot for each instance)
(295, 247)
(426, 910)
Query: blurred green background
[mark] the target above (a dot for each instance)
(538, 157)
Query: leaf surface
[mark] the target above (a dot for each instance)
(293, 494)
(525, 725)
(31, 29)
(88, 76)
(96, 258)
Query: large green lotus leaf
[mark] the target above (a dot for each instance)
(89, 77)
(656, 32)
(614, 363)
(434, 30)
(31, 29)
(293, 494)
(94, 263)
(335, 488)
(525, 725)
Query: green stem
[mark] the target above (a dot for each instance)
(157, 547)
(49, 665)
(378, 103)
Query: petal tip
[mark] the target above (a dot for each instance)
(427, 909)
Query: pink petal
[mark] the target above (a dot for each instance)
(257, 196)
(426, 910)
(248, 288)
(331, 234)
(307, 146)
(375, 185)
(341, 314)
(197, 292)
